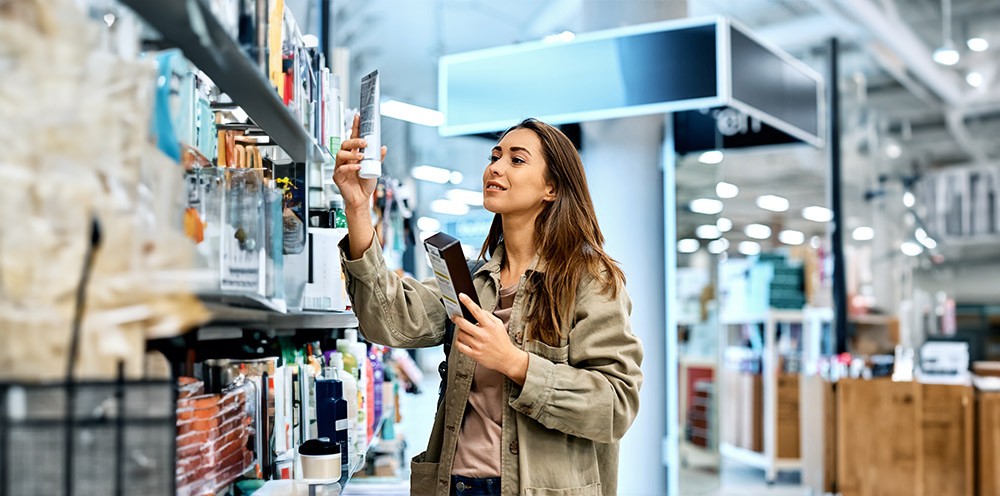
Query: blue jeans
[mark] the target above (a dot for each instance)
(467, 486)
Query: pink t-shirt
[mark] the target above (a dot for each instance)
(478, 451)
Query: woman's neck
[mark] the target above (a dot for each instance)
(519, 244)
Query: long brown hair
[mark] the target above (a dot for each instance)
(569, 240)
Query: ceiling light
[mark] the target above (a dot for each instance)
(816, 242)
(428, 224)
(792, 237)
(563, 37)
(466, 196)
(909, 200)
(757, 231)
(893, 151)
(711, 157)
(911, 249)
(924, 239)
(724, 224)
(726, 190)
(772, 203)
(718, 246)
(863, 233)
(749, 248)
(456, 177)
(412, 113)
(688, 245)
(109, 19)
(974, 79)
(449, 207)
(707, 206)
(431, 174)
(978, 44)
(817, 214)
(946, 54)
(707, 231)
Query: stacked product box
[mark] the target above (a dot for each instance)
(786, 289)
(212, 434)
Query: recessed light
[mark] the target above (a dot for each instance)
(707, 231)
(817, 214)
(911, 249)
(430, 173)
(449, 207)
(688, 245)
(757, 231)
(718, 246)
(707, 206)
(428, 224)
(711, 157)
(909, 200)
(792, 237)
(772, 203)
(749, 248)
(724, 224)
(726, 190)
(863, 233)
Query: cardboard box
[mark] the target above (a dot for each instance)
(788, 432)
(988, 434)
(325, 284)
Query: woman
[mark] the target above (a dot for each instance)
(547, 383)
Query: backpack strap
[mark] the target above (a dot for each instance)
(449, 337)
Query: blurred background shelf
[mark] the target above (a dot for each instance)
(215, 53)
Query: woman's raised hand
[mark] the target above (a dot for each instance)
(357, 191)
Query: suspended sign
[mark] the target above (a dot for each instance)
(672, 66)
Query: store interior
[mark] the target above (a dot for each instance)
(813, 278)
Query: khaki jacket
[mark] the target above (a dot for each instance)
(561, 429)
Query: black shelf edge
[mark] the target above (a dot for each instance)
(218, 56)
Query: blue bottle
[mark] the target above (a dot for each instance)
(331, 415)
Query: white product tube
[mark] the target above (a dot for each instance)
(371, 127)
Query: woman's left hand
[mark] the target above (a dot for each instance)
(488, 343)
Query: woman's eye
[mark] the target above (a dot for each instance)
(517, 160)
(494, 158)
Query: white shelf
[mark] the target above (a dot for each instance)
(768, 459)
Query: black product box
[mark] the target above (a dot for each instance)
(452, 273)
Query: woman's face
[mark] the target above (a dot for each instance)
(514, 181)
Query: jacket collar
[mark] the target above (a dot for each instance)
(493, 264)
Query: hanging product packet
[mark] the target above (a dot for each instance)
(74, 130)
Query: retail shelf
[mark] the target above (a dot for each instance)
(757, 459)
(249, 311)
(205, 43)
(875, 320)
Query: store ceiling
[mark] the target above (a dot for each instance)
(893, 93)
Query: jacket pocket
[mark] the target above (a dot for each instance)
(423, 476)
(591, 490)
(551, 353)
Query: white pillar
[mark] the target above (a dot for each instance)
(623, 161)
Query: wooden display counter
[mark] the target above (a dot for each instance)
(898, 438)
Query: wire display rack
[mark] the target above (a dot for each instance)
(88, 438)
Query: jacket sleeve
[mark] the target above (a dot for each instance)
(595, 394)
(395, 311)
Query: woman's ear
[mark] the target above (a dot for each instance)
(550, 193)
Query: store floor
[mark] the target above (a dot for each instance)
(737, 480)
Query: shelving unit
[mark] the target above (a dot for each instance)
(203, 41)
(768, 459)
